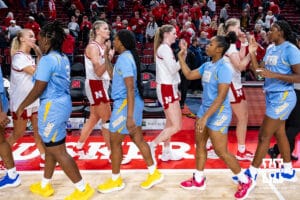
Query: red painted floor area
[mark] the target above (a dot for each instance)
(27, 156)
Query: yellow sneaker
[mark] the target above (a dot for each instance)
(111, 186)
(36, 188)
(152, 180)
(84, 195)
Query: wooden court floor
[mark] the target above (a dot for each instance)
(219, 186)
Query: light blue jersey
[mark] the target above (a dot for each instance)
(56, 105)
(280, 95)
(279, 59)
(124, 67)
(3, 97)
(214, 74)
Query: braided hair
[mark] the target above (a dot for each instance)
(288, 34)
(127, 39)
(55, 33)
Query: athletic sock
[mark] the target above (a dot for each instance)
(80, 185)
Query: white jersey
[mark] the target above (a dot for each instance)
(89, 68)
(236, 74)
(166, 66)
(20, 82)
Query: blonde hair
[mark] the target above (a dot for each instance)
(223, 27)
(159, 35)
(96, 25)
(16, 42)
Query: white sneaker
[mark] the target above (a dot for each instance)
(211, 154)
(169, 155)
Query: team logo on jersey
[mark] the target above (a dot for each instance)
(272, 60)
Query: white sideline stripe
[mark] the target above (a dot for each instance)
(277, 193)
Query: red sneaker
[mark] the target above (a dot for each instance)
(244, 189)
(192, 184)
(247, 155)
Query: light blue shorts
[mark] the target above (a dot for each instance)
(279, 105)
(219, 121)
(53, 115)
(119, 115)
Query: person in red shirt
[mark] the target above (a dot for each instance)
(196, 14)
(8, 18)
(68, 46)
(85, 28)
(275, 9)
(138, 26)
(52, 10)
(33, 25)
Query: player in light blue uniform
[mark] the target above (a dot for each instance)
(55, 101)
(126, 117)
(214, 115)
(52, 85)
(212, 75)
(11, 178)
(280, 68)
(119, 94)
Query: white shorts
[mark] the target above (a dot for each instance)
(236, 95)
(27, 113)
(96, 91)
(167, 94)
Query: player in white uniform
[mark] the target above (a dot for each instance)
(22, 68)
(97, 84)
(167, 79)
(238, 61)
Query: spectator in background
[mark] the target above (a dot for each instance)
(33, 7)
(8, 18)
(245, 20)
(13, 30)
(203, 40)
(211, 4)
(68, 46)
(85, 28)
(206, 20)
(224, 13)
(260, 12)
(71, 10)
(138, 26)
(33, 25)
(275, 9)
(52, 9)
(117, 25)
(125, 24)
(151, 29)
(270, 18)
(41, 19)
(74, 27)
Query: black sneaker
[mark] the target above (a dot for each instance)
(272, 153)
